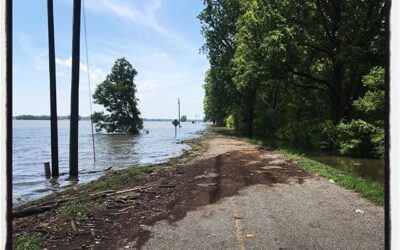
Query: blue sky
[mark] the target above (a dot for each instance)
(161, 38)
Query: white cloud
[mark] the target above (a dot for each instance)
(142, 15)
(146, 88)
(125, 10)
(96, 74)
(67, 62)
(25, 43)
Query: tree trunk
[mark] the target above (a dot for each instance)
(249, 114)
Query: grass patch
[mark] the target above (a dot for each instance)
(119, 178)
(76, 209)
(28, 242)
(110, 182)
(134, 171)
(370, 189)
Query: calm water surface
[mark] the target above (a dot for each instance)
(371, 168)
(31, 148)
(365, 167)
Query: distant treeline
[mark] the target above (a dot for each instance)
(46, 117)
(170, 120)
(157, 120)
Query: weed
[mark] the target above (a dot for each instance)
(27, 242)
(77, 209)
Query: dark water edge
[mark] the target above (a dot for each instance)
(365, 167)
(369, 168)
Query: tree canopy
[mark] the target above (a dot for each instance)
(117, 93)
(299, 70)
(183, 118)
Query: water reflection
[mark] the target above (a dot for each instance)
(371, 168)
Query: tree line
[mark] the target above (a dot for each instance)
(305, 71)
(47, 117)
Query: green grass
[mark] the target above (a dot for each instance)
(368, 188)
(80, 208)
(134, 171)
(77, 209)
(28, 242)
(119, 178)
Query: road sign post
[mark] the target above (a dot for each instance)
(175, 123)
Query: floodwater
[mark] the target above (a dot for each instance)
(365, 167)
(371, 168)
(31, 148)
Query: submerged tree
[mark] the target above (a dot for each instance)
(183, 118)
(117, 94)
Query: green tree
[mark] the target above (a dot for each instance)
(183, 118)
(365, 134)
(296, 70)
(218, 20)
(117, 93)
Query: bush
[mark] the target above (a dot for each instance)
(356, 138)
(230, 121)
(325, 137)
(378, 139)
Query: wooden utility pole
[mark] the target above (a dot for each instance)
(74, 118)
(6, 103)
(53, 91)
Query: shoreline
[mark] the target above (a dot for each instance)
(112, 151)
(195, 149)
(74, 204)
(138, 197)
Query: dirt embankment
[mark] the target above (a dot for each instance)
(169, 193)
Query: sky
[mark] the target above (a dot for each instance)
(161, 38)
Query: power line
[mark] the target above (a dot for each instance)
(88, 73)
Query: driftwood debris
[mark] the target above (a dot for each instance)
(108, 194)
(49, 205)
(41, 208)
(73, 225)
(34, 210)
(96, 171)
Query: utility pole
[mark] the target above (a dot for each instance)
(53, 91)
(74, 118)
(179, 112)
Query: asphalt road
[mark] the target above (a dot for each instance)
(315, 214)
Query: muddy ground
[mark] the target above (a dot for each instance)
(225, 167)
